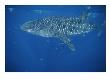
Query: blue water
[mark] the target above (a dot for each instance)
(30, 53)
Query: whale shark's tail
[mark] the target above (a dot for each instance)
(93, 17)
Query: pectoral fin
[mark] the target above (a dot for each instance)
(68, 42)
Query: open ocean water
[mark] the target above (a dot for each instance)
(25, 52)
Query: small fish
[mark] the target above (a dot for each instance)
(59, 27)
(42, 11)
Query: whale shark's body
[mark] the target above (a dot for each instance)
(59, 27)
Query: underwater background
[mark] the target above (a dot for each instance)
(25, 52)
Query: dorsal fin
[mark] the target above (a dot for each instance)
(85, 15)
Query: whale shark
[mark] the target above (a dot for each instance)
(60, 27)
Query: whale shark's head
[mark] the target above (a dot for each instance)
(30, 26)
(34, 27)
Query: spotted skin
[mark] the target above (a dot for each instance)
(59, 27)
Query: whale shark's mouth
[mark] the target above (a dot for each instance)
(44, 33)
(29, 30)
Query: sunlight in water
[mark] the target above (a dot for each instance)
(11, 9)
